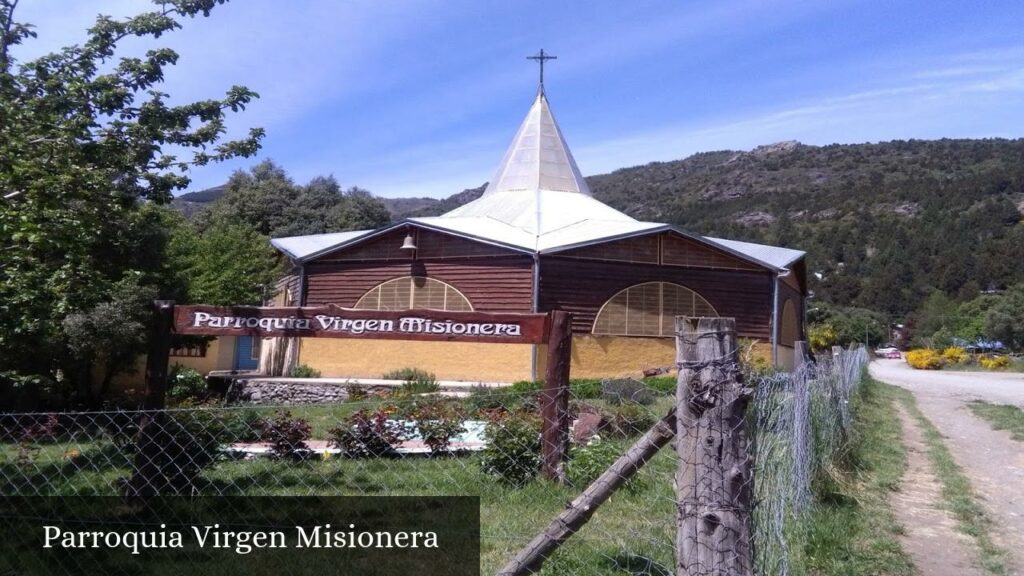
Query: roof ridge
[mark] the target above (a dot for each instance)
(538, 157)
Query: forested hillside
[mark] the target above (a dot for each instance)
(884, 224)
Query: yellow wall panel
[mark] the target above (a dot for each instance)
(467, 361)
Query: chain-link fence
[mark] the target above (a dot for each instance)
(801, 423)
(378, 442)
(482, 442)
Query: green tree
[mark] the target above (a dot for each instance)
(937, 313)
(86, 140)
(266, 199)
(230, 264)
(845, 325)
(108, 338)
(1005, 319)
(970, 317)
(358, 210)
(260, 198)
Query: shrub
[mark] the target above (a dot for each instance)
(512, 453)
(356, 392)
(924, 359)
(955, 355)
(582, 388)
(304, 371)
(438, 421)
(629, 420)
(241, 425)
(369, 434)
(414, 381)
(189, 441)
(185, 383)
(753, 363)
(585, 388)
(523, 387)
(994, 362)
(287, 436)
(587, 463)
(486, 398)
(626, 391)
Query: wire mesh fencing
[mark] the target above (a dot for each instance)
(482, 442)
(801, 422)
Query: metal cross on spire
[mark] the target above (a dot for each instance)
(541, 57)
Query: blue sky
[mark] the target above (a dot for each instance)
(420, 98)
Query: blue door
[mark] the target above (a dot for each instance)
(247, 353)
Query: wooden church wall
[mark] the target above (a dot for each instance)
(492, 278)
(668, 249)
(582, 287)
(491, 285)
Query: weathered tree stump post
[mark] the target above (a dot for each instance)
(713, 480)
(555, 397)
(147, 477)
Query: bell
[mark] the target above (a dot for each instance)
(408, 244)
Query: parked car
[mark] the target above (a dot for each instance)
(888, 352)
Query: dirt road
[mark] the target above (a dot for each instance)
(993, 461)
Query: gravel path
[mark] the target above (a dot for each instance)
(992, 459)
(930, 534)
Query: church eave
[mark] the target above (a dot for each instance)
(405, 223)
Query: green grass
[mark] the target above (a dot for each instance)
(634, 525)
(958, 496)
(633, 530)
(1001, 417)
(850, 529)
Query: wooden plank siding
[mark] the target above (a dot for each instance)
(496, 279)
(583, 286)
(668, 248)
(495, 284)
(431, 245)
(678, 250)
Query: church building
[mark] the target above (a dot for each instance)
(535, 241)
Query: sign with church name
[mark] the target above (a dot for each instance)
(336, 322)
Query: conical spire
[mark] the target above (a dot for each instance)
(538, 158)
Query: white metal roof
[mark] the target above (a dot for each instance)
(538, 158)
(301, 247)
(774, 255)
(540, 211)
(537, 202)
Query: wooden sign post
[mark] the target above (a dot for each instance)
(335, 322)
(555, 397)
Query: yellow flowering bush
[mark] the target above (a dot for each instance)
(924, 359)
(955, 355)
(994, 362)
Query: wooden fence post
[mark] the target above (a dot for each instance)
(713, 480)
(146, 480)
(555, 397)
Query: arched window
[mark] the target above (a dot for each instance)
(790, 329)
(414, 292)
(649, 310)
